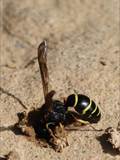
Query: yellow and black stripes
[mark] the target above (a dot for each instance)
(86, 107)
(75, 100)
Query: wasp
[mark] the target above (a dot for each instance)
(85, 107)
(57, 112)
(49, 121)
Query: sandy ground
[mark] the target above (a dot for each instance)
(83, 54)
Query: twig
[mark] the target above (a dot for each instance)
(13, 96)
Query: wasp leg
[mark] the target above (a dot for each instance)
(61, 126)
(61, 138)
(95, 128)
(79, 120)
(82, 121)
(54, 141)
(85, 123)
(50, 130)
(63, 131)
(58, 138)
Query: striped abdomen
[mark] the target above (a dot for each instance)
(86, 107)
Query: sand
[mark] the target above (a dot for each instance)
(83, 55)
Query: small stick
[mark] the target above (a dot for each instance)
(13, 96)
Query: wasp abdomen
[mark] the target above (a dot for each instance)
(85, 107)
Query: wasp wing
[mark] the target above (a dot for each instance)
(42, 60)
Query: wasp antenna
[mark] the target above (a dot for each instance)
(42, 60)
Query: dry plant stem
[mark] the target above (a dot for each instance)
(42, 60)
(13, 96)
